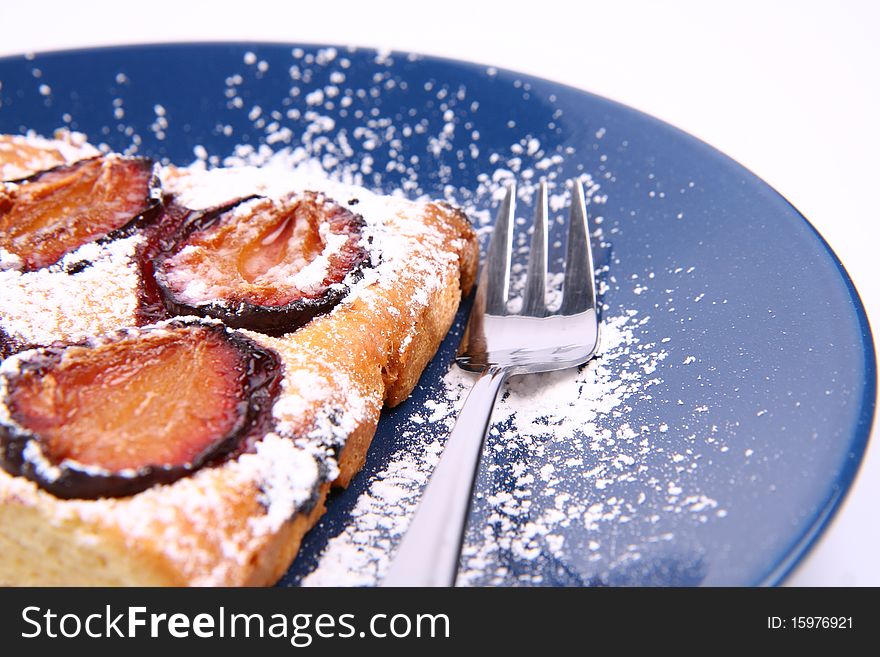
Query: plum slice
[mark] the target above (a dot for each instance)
(50, 214)
(115, 415)
(265, 264)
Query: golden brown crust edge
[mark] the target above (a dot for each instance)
(437, 317)
(146, 540)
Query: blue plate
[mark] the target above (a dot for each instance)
(753, 399)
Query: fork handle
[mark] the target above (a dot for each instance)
(429, 552)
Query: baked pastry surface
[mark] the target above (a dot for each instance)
(24, 155)
(240, 522)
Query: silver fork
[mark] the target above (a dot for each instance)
(500, 344)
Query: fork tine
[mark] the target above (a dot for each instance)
(579, 287)
(534, 303)
(495, 279)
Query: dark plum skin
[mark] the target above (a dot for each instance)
(249, 373)
(160, 238)
(286, 308)
(7, 345)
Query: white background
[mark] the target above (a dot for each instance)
(789, 89)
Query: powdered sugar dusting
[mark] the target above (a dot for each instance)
(359, 555)
(51, 304)
(565, 465)
(288, 477)
(34, 153)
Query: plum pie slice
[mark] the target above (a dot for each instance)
(193, 358)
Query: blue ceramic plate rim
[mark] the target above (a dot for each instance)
(800, 547)
(840, 487)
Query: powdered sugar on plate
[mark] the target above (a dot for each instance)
(565, 464)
